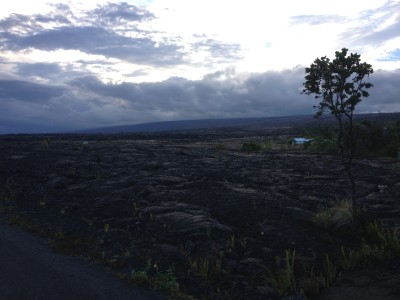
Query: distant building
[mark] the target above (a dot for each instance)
(301, 141)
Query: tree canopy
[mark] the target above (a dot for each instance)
(338, 83)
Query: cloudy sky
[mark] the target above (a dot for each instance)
(93, 63)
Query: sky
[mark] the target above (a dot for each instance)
(79, 64)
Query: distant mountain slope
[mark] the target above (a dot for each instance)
(250, 123)
(201, 124)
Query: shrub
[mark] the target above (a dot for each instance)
(251, 147)
(282, 279)
(220, 147)
(335, 217)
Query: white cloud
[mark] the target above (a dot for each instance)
(183, 53)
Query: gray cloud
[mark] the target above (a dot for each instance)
(317, 19)
(384, 96)
(110, 30)
(371, 31)
(38, 69)
(220, 52)
(22, 24)
(96, 40)
(99, 32)
(28, 91)
(80, 100)
(119, 14)
(87, 102)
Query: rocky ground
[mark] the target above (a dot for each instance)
(192, 202)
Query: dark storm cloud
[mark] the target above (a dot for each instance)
(87, 102)
(46, 71)
(384, 96)
(317, 19)
(38, 69)
(27, 91)
(260, 95)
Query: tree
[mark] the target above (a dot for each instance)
(340, 85)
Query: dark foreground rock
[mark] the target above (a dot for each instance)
(194, 202)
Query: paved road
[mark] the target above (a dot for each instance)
(30, 270)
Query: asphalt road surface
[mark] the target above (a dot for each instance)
(30, 270)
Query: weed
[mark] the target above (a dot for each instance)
(71, 245)
(283, 279)
(42, 201)
(251, 147)
(373, 254)
(253, 203)
(141, 278)
(18, 220)
(220, 147)
(44, 145)
(335, 217)
(348, 260)
(136, 210)
(243, 243)
(89, 222)
(376, 233)
(329, 272)
(209, 231)
(9, 191)
(166, 281)
(231, 242)
(201, 267)
(218, 263)
(378, 244)
(312, 284)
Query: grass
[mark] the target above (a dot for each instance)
(336, 217)
(330, 272)
(201, 268)
(312, 284)
(9, 191)
(220, 147)
(251, 147)
(378, 244)
(232, 242)
(283, 279)
(165, 281)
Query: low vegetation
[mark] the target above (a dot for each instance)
(371, 138)
(251, 147)
(377, 245)
(336, 217)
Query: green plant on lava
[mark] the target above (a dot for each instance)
(251, 147)
(282, 278)
(336, 216)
